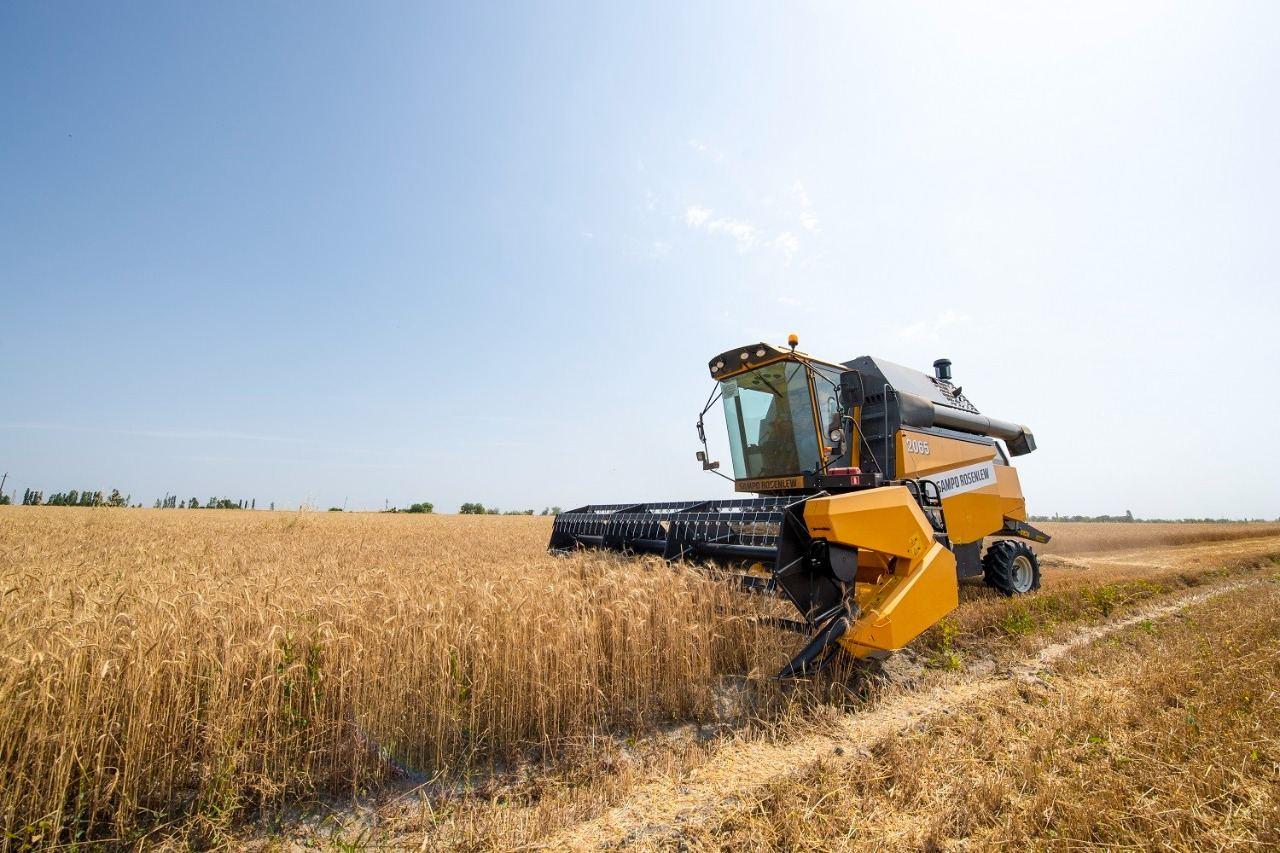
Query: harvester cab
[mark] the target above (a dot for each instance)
(875, 487)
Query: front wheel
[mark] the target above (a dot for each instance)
(1011, 567)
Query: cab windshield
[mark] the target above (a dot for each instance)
(770, 417)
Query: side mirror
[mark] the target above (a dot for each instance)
(707, 464)
(851, 391)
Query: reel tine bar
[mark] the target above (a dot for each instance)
(733, 530)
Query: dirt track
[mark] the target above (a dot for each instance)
(654, 810)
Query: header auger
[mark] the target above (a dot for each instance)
(875, 487)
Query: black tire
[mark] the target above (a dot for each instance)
(1011, 567)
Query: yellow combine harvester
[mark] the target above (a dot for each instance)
(876, 486)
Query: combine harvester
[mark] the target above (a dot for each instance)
(876, 485)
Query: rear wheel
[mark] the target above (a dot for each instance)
(1011, 567)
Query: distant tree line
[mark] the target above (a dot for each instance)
(481, 509)
(35, 497)
(95, 497)
(423, 507)
(89, 497)
(172, 502)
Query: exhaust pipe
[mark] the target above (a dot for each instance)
(917, 411)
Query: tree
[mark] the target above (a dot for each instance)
(471, 509)
(193, 503)
(4, 500)
(115, 499)
(422, 507)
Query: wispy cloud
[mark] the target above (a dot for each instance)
(744, 234)
(806, 217)
(931, 329)
(801, 194)
(705, 149)
(793, 219)
(787, 244)
(696, 217)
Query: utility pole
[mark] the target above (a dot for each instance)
(2, 479)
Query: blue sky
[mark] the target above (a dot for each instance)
(320, 254)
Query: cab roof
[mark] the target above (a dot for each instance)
(741, 359)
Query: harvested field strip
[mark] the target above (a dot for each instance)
(991, 624)
(1165, 734)
(733, 775)
(1095, 537)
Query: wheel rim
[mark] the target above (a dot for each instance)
(1022, 573)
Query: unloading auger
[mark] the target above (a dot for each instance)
(875, 487)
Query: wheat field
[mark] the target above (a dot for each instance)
(158, 664)
(168, 668)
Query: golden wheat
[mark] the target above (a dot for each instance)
(167, 665)
(157, 663)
